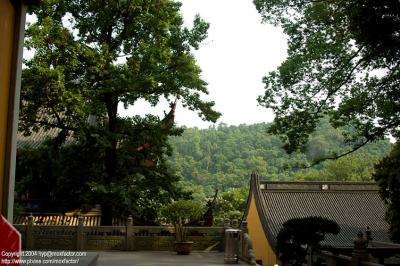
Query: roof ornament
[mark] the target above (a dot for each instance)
(167, 121)
(360, 248)
(255, 177)
(368, 234)
(169, 118)
(325, 187)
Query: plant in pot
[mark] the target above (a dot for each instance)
(180, 213)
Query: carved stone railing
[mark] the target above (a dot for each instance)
(245, 250)
(129, 237)
(104, 238)
(359, 257)
(335, 259)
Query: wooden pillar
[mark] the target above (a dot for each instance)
(12, 28)
(12, 23)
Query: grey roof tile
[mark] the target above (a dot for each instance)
(353, 205)
(35, 139)
(352, 210)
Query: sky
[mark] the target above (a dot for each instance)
(238, 52)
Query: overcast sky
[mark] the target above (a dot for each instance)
(238, 52)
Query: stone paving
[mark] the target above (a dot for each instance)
(160, 258)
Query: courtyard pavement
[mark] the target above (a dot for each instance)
(160, 258)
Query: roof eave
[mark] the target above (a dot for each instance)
(255, 189)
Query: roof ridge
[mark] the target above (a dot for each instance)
(315, 182)
(318, 186)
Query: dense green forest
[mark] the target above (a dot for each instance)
(224, 156)
(221, 157)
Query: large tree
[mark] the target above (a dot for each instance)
(387, 175)
(89, 56)
(343, 62)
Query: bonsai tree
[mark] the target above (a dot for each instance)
(299, 236)
(180, 213)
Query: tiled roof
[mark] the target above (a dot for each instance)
(354, 206)
(35, 139)
(57, 220)
(90, 219)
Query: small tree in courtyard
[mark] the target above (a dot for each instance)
(299, 236)
(180, 213)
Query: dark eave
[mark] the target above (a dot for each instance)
(260, 205)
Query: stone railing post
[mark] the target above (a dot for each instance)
(251, 257)
(246, 246)
(129, 234)
(227, 225)
(29, 233)
(368, 234)
(360, 250)
(80, 234)
(235, 223)
(331, 261)
(243, 228)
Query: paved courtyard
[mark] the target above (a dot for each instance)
(160, 258)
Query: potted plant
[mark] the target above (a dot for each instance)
(180, 213)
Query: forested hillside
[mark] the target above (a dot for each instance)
(224, 156)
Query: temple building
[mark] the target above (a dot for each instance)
(354, 206)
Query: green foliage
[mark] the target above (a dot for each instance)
(182, 212)
(230, 204)
(343, 62)
(55, 175)
(355, 167)
(89, 57)
(222, 157)
(387, 174)
(299, 235)
(18, 209)
(196, 191)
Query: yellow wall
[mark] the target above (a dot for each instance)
(262, 249)
(7, 15)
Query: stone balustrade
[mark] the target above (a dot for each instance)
(129, 237)
(361, 254)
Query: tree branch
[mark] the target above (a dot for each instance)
(341, 155)
(52, 125)
(337, 88)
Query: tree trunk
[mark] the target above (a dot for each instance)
(106, 214)
(110, 156)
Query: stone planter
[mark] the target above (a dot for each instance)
(183, 248)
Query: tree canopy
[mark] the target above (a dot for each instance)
(300, 235)
(343, 62)
(222, 157)
(387, 175)
(90, 56)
